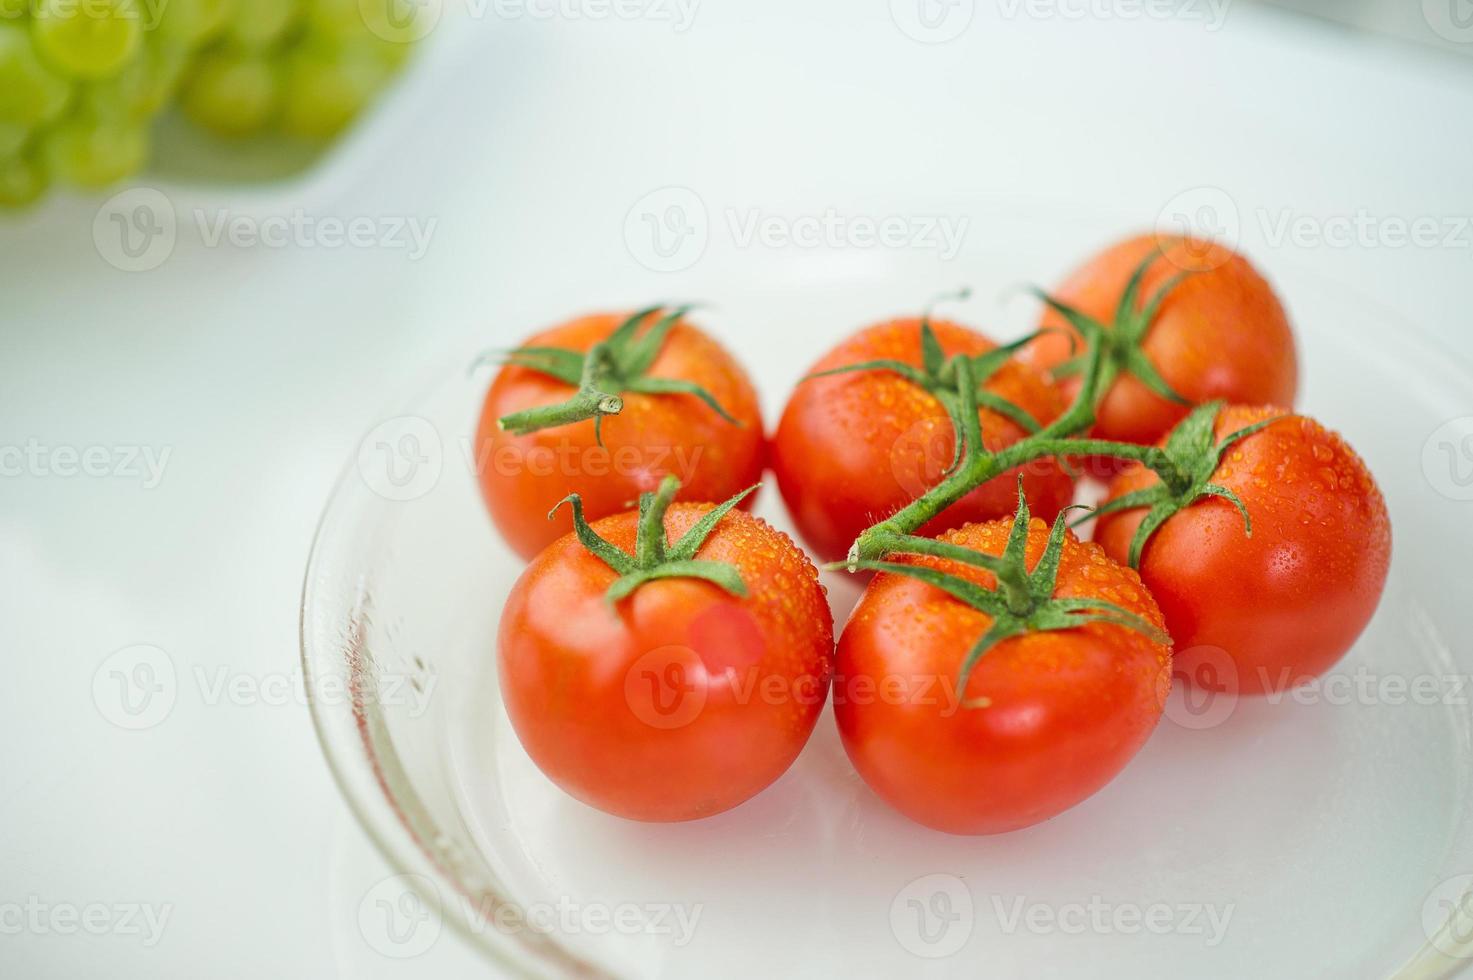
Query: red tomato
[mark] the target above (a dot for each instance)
(523, 477)
(680, 700)
(1055, 715)
(1282, 606)
(1219, 333)
(852, 449)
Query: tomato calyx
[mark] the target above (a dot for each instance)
(938, 374)
(615, 365)
(1123, 338)
(1185, 467)
(654, 557)
(1022, 602)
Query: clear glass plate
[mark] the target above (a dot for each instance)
(1326, 834)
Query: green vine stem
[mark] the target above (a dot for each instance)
(975, 465)
(654, 557)
(1180, 470)
(615, 365)
(1022, 602)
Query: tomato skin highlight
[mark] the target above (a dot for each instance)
(1067, 710)
(523, 477)
(1220, 333)
(1287, 603)
(852, 449)
(682, 700)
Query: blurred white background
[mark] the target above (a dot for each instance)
(524, 149)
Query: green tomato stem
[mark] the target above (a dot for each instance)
(649, 546)
(586, 404)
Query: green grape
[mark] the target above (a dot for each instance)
(161, 68)
(22, 182)
(30, 93)
(335, 19)
(232, 93)
(398, 22)
(88, 40)
(353, 35)
(142, 89)
(261, 23)
(13, 136)
(326, 89)
(92, 152)
(391, 53)
(193, 22)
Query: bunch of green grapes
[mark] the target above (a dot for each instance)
(305, 68)
(82, 80)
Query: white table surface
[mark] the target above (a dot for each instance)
(528, 141)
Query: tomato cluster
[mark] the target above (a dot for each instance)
(668, 660)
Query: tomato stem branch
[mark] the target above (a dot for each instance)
(976, 465)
